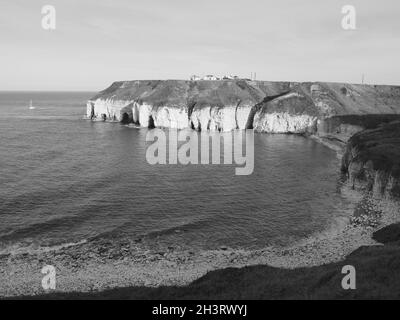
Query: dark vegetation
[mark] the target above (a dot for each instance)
(389, 234)
(367, 121)
(381, 146)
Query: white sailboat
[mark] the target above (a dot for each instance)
(31, 107)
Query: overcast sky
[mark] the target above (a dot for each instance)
(99, 41)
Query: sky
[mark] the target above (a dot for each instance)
(97, 42)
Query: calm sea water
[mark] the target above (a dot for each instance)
(65, 179)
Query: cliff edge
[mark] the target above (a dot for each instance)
(372, 160)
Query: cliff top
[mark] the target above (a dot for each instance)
(185, 92)
(315, 98)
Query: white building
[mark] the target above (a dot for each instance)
(230, 77)
(210, 77)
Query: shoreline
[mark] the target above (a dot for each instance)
(167, 272)
(81, 269)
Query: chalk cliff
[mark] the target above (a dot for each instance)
(202, 105)
(275, 107)
(307, 107)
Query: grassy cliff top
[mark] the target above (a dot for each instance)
(329, 99)
(184, 93)
(320, 98)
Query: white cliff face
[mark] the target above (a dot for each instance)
(214, 118)
(293, 112)
(144, 113)
(135, 112)
(109, 109)
(223, 119)
(90, 109)
(161, 117)
(201, 118)
(284, 123)
(171, 117)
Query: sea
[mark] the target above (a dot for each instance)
(67, 180)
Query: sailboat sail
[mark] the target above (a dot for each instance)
(31, 105)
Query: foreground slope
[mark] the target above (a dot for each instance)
(377, 278)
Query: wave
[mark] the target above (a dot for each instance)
(18, 249)
(187, 226)
(133, 126)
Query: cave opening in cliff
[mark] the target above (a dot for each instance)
(151, 123)
(92, 115)
(250, 120)
(125, 119)
(193, 127)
